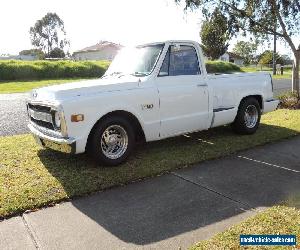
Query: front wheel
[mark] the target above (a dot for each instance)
(248, 117)
(111, 141)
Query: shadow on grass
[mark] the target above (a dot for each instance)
(170, 205)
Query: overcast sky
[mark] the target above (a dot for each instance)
(89, 21)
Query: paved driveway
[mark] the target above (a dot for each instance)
(13, 118)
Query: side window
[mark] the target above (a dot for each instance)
(180, 60)
(164, 70)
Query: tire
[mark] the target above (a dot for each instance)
(111, 141)
(248, 117)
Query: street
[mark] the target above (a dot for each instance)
(14, 116)
(281, 86)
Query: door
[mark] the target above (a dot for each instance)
(183, 92)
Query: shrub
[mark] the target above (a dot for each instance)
(289, 100)
(221, 67)
(57, 53)
(35, 70)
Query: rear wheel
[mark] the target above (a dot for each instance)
(111, 141)
(248, 117)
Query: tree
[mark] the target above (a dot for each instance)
(57, 53)
(261, 17)
(214, 35)
(48, 33)
(36, 52)
(267, 58)
(287, 60)
(247, 50)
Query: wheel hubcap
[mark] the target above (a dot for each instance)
(114, 142)
(251, 116)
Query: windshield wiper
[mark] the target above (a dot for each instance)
(139, 74)
(113, 73)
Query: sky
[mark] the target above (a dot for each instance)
(87, 22)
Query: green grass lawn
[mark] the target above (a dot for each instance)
(287, 73)
(31, 177)
(275, 220)
(8, 87)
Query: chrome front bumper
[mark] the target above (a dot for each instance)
(65, 145)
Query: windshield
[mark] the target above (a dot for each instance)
(138, 61)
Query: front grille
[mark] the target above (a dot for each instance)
(39, 108)
(42, 123)
(39, 119)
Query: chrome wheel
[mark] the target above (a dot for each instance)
(114, 141)
(251, 116)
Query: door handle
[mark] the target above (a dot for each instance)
(202, 85)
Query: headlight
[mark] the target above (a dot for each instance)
(57, 119)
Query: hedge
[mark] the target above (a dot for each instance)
(36, 70)
(221, 67)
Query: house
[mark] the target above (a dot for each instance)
(103, 50)
(19, 57)
(232, 57)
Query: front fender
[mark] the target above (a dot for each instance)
(94, 108)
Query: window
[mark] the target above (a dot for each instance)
(138, 61)
(164, 70)
(180, 60)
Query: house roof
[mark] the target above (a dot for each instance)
(100, 46)
(233, 55)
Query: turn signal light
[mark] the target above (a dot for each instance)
(77, 118)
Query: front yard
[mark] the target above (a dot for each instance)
(8, 87)
(275, 220)
(31, 177)
(287, 73)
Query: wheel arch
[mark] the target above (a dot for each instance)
(139, 131)
(259, 98)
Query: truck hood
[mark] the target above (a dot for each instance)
(83, 88)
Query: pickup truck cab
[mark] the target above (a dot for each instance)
(151, 92)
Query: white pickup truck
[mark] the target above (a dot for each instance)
(150, 92)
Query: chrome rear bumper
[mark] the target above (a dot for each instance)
(270, 105)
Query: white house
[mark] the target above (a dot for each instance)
(103, 50)
(232, 57)
(20, 57)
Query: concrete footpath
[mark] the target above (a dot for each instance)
(167, 212)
